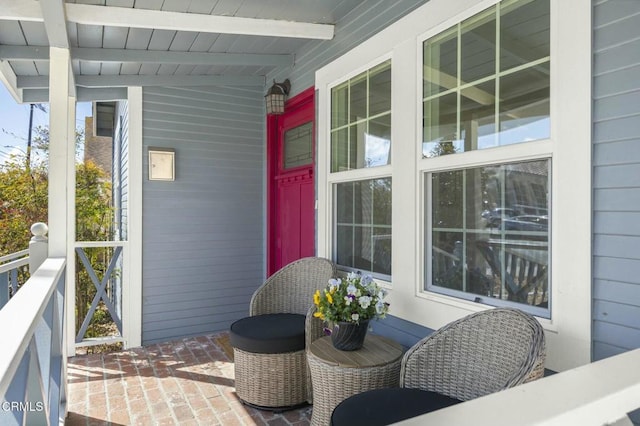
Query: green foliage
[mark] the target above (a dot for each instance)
(93, 198)
(24, 201)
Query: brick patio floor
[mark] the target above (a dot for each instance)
(186, 382)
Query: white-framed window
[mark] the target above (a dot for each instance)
(486, 84)
(360, 138)
(511, 136)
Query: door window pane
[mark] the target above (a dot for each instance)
(298, 146)
(362, 236)
(490, 234)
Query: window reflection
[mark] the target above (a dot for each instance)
(362, 237)
(490, 232)
(361, 120)
(477, 96)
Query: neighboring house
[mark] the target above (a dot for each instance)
(428, 116)
(98, 135)
(97, 148)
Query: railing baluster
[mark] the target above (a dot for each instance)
(4, 288)
(14, 281)
(101, 287)
(16, 392)
(42, 337)
(35, 408)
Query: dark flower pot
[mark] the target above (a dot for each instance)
(349, 336)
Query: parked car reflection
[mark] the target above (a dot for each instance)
(526, 223)
(495, 216)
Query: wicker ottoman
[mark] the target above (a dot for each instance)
(270, 361)
(337, 375)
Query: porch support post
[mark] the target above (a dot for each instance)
(132, 291)
(61, 153)
(62, 106)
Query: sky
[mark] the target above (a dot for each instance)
(14, 122)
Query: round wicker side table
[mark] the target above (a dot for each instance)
(337, 375)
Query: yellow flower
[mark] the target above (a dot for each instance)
(316, 297)
(329, 298)
(318, 315)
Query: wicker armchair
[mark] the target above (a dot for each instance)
(280, 380)
(482, 353)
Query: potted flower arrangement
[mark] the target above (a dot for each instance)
(348, 305)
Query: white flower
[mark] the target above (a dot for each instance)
(347, 300)
(352, 276)
(381, 308)
(334, 283)
(364, 301)
(355, 317)
(352, 289)
(366, 280)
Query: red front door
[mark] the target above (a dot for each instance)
(292, 198)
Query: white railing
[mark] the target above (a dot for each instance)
(596, 394)
(22, 261)
(10, 265)
(13, 256)
(32, 365)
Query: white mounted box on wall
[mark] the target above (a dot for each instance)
(162, 163)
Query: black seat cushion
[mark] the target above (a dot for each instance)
(268, 334)
(387, 406)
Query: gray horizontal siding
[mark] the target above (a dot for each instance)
(358, 25)
(203, 235)
(616, 177)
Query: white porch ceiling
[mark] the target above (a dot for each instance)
(118, 43)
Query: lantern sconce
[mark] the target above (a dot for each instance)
(276, 96)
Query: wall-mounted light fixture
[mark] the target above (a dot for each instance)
(276, 96)
(162, 164)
